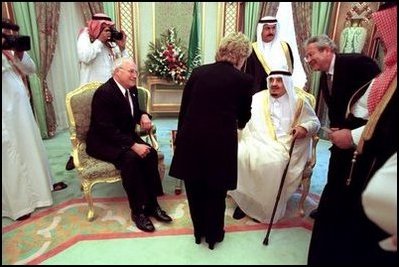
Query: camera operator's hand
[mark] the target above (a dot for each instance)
(122, 43)
(19, 54)
(105, 35)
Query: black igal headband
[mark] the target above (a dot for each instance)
(268, 21)
(280, 72)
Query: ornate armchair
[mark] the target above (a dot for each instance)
(90, 170)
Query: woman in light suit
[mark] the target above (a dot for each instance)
(216, 101)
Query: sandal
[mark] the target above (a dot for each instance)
(59, 186)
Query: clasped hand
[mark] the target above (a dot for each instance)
(141, 149)
(342, 138)
(145, 122)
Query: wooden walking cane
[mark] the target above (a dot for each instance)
(266, 240)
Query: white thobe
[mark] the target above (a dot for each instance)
(262, 159)
(96, 59)
(26, 177)
(380, 200)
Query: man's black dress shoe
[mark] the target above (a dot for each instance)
(70, 165)
(313, 214)
(143, 223)
(238, 214)
(161, 215)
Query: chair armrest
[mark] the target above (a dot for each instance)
(153, 140)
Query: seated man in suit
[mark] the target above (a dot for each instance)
(111, 137)
(279, 115)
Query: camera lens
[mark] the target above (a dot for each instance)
(22, 43)
(115, 35)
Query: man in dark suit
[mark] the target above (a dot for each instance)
(342, 224)
(112, 138)
(335, 226)
(342, 75)
(269, 52)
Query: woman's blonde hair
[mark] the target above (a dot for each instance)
(233, 48)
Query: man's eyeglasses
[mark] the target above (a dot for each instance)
(131, 71)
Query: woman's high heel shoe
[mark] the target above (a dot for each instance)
(198, 239)
(211, 245)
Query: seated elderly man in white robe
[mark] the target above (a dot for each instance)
(279, 115)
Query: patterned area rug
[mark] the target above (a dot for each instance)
(55, 229)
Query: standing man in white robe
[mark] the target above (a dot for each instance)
(26, 181)
(279, 115)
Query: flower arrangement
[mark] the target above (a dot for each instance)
(167, 59)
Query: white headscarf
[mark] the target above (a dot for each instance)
(288, 84)
(272, 51)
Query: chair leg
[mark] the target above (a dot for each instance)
(178, 187)
(161, 168)
(305, 191)
(87, 192)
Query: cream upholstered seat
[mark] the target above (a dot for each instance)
(91, 170)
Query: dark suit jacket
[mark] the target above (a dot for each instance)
(341, 211)
(216, 100)
(255, 68)
(112, 127)
(340, 206)
(351, 71)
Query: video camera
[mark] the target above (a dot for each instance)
(115, 35)
(14, 42)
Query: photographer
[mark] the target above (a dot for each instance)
(99, 44)
(14, 47)
(26, 176)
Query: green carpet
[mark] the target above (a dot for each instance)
(238, 248)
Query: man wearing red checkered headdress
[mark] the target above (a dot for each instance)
(97, 49)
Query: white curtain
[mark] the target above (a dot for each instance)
(63, 76)
(287, 33)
